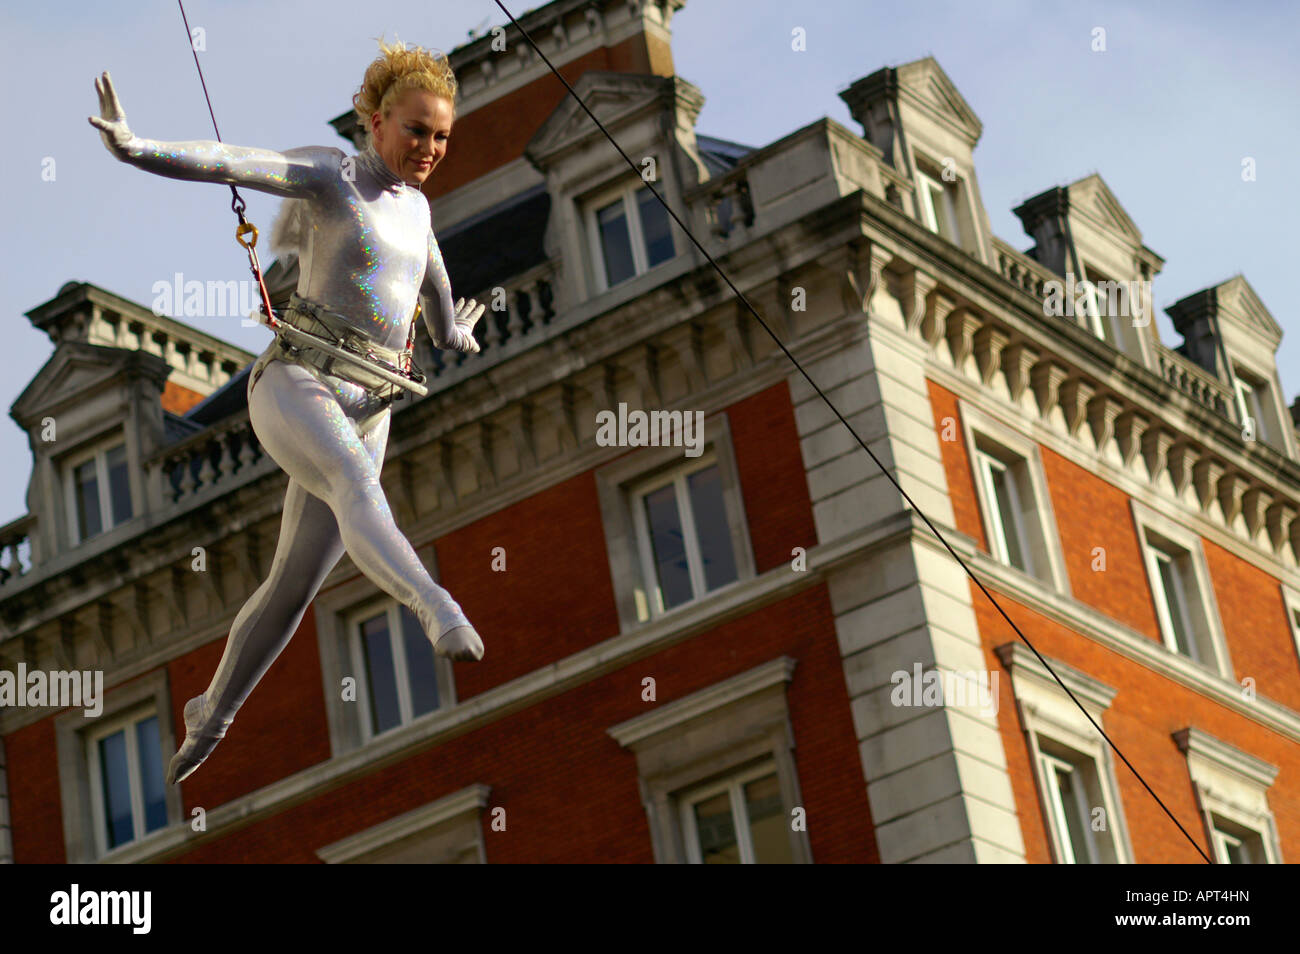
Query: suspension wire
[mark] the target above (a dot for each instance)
(835, 410)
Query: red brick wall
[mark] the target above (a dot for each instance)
(772, 478)
(555, 597)
(1255, 625)
(1146, 711)
(281, 728)
(570, 792)
(177, 399)
(1148, 708)
(496, 134)
(35, 804)
(1093, 513)
(956, 464)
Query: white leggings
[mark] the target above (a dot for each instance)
(329, 435)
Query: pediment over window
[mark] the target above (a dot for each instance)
(615, 99)
(1091, 198)
(922, 85)
(77, 370)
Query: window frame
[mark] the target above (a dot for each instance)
(1202, 606)
(83, 838)
(1232, 785)
(1043, 549)
(1053, 725)
(617, 480)
(986, 463)
(677, 477)
(1264, 412)
(125, 722)
(348, 721)
(1103, 326)
(352, 619)
(98, 450)
(927, 184)
(624, 190)
(724, 729)
(734, 786)
(1291, 604)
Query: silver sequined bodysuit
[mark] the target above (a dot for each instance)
(366, 252)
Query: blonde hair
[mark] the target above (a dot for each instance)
(397, 69)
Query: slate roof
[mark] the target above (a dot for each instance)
(492, 246)
(720, 155)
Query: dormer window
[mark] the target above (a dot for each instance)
(98, 491)
(938, 203)
(629, 233)
(1254, 402)
(1107, 301)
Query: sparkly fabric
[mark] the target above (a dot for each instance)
(367, 249)
(366, 252)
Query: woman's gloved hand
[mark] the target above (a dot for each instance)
(111, 121)
(467, 315)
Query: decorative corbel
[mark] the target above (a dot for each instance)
(1017, 362)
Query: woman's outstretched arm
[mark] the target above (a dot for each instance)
(299, 173)
(450, 326)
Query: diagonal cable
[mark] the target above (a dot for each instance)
(835, 410)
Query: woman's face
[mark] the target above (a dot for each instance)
(412, 138)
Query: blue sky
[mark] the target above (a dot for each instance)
(1182, 93)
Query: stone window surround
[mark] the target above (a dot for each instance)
(1230, 783)
(727, 727)
(1291, 602)
(347, 622)
(1048, 712)
(1144, 519)
(93, 447)
(1276, 420)
(148, 692)
(450, 827)
(1045, 540)
(624, 186)
(334, 609)
(615, 479)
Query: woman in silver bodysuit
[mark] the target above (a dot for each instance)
(366, 252)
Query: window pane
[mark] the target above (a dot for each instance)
(942, 216)
(717, 831)
(381, 679)
(151, 773)
(1177, 612)
(669, 549)
(420, 666)
(87, 484)
(1070, 804)
(615, 244)
(767, 822)
(654, 223)
(711, 526)
(1235, 851)
(119, 484)
(116, 786)
(1008, 516)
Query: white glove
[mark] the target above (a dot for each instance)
(466, 316)
(111, 121)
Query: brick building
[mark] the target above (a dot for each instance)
(724, 655)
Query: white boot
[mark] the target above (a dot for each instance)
(199, 740)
